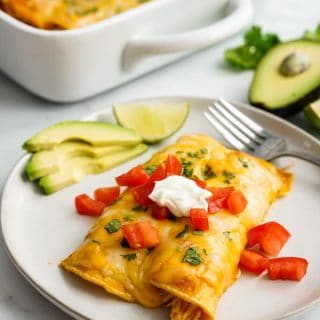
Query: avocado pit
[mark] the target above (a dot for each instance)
(294, 63)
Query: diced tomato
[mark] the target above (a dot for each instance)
(173, 165)
(140, 235)
(160, 213)
(219, 197)
(107, 195)
(200, 183)
(253, 262)
(88, 206)
(199, 219)
(270, 236)
(134, 177)
(157, 175)
(288, 268)
(132, 236)
(141, 193)
(236, 202)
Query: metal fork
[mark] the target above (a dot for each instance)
(244, 134)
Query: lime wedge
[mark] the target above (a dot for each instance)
(312, 113)
(155, 121)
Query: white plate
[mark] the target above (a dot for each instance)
(40, 231)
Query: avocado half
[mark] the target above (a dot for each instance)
(285, 94)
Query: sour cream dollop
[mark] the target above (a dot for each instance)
(179, 195)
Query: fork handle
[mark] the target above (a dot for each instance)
(297, 154)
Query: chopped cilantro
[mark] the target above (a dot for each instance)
(227, 235)
(255, 46)
(312, 35)
(139, 208)
(87, 11)
(228, 175)
(183, 232)
(179, 152)
(244, 162)
(192, 257)
(150, 169)
(197, 233)
(113, 225)
(208, 173)
(187, 172)
(128, 217)
(203, 151)
(130, 256)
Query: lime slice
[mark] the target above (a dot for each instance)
(155, 121)
(312, 113)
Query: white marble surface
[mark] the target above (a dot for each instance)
(204, 73)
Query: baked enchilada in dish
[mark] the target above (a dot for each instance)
(185, 269)
(65, 14)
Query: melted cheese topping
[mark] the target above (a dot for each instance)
(160, 276)
(179, 195)
(65, 14)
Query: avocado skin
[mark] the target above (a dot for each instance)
(296, 106)
(290, 109)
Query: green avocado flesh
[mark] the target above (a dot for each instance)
(275, 92)
(74, 169)
(46, 162)
(92, 132)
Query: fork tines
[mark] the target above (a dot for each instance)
(239, 130)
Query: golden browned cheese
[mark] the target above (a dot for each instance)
(160, 276)
(65, 14)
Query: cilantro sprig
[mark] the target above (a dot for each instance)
(256, 44)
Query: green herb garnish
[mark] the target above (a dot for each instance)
(228, 175)
(313, 35)
(183, 232)
(192, 257)
(197, 233)
(255, 46)
(88, 11)
(150, 169)
(130, 256)
(96, 241)
(128, 217)
(139, 208)
(113, 225)
(187, 172)
(208, 173)
(244, 162)
(227, 235)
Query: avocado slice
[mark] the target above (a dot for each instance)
(96, 133)
(46, 162)
(287, 77)
(74, 169)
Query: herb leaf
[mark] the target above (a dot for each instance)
(150, 169)
(255, 46)
(243, 162)
(130, 256)
(312, 35)
(197, 233)
(208, 173)
(192, 257)
(183, 232)
(228, 175)
(128, 217)
(113, 225)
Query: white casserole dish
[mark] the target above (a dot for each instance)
(66, 66)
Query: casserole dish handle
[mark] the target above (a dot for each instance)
(239, 14)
